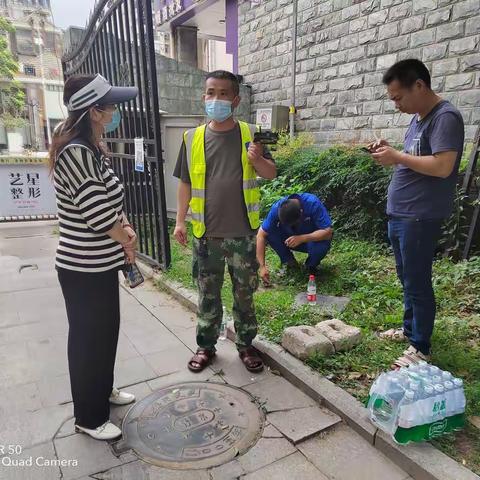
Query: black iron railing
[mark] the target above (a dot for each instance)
(119, 44)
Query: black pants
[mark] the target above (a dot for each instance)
(93, 310)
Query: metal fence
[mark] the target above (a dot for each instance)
(119, 44)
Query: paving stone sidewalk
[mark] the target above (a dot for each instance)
(300, 439)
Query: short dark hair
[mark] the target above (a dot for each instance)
(407, 72)
(224, 75)
(290, 212)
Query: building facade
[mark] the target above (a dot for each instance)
(342, 49)
(36, 45)
(200, 33)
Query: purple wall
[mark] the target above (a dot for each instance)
(231, 26)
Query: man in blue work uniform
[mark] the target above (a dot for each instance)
(298, 222)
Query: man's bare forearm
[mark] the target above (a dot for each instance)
(440, 165)
(184, 195)
(265, 168)
(318, 235)
(261, 247)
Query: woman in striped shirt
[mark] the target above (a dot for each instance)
(95, 241)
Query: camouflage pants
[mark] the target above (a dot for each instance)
(209, 256)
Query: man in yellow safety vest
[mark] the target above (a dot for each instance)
(218, 167)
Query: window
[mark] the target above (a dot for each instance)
(29, 70)
(54, 88)
(25, 43)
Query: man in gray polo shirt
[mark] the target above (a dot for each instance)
(420, 195)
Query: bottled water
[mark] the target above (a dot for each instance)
(312, 291)
(417, 404)
(223, 326)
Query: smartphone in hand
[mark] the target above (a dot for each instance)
(133, 275)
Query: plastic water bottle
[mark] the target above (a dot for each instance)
(440, 404)
(407, 421)
(449, 397)
(312, 291)
(434, 370)
(459, 396)
(223, 326)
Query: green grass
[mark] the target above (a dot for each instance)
(366, 273)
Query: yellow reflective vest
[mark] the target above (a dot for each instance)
(195, 146)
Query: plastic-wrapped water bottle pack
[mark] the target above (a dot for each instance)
(417, 403)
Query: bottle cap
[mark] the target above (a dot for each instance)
(436, 379)
(414, 385)
(422, 363)
(311, 277)
(458, 382)
(423, 372)
(434, 369)
(447, 375)
(410, 394)
(448, 385)
(439, 388)
(428, 389)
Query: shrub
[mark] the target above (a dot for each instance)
(349, 183)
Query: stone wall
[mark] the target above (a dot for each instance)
(344, 47)
(180, 89)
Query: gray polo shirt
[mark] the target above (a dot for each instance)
(414, 195)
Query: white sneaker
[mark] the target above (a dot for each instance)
(121, 398)
(107, 431)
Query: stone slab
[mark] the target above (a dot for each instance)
(170, 360)
(342, 454)
(32, 428)
(271, 432)
(228, 364)
(230, 471)
(303, 341)
(92, 456)
(41, 468)
(276, 393)
(293, 466)
(264, 452)
(144, 471)
(131, 371)
(328, 304)
(303, 423)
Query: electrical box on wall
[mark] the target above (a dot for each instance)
(273, 118)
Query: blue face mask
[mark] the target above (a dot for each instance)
(218, 110)
(113, 125)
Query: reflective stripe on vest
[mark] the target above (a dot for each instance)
(195, 147)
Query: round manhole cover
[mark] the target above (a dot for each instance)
(193, 425)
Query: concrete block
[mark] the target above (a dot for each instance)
(411, 24)
(304, 341)
(445, 67)
(449, 30)
(470, 63)
(343, 336)
(435, 52)
(400, 11)
(462, 81)
(465, 9)
(423, 6)
(464, 45)
(439, 16)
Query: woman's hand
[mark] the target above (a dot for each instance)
(131, 245)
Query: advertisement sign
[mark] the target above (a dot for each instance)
(26, 189)
(139, 155)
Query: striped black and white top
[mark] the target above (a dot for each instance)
(89, 201)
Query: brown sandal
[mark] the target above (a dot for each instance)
(252, 361)
(202, 358)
